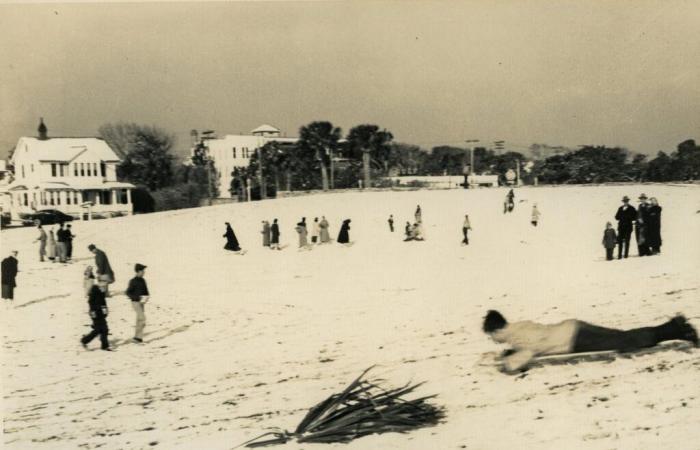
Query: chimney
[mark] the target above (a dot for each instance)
(42, 130)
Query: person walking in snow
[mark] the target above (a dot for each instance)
(9, 269)
(391, 223)
(266, 233)
(301, 230)
(344, 234)
(535, 215)
(325, 234)
(418, 215)
(97, 308)
(137, 291)
(625, 216)
(275, 236)
(609, 241)
(529, 339)
(466, 226)
(231, 240)
(51, 247)
(104, 271)
(315, 231)
(42, 242)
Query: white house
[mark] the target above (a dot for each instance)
(235, 151)
(67, 174)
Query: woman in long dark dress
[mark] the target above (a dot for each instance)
(231, 241)
(654, 226)
(344, 236)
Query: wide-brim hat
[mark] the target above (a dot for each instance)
(139, 267)
(643, 197)
(625, 199)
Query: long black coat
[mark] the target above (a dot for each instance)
(9, 271)
(625, 218)
(653, 226)
(344, 236)
(231, 241)
(275, 233)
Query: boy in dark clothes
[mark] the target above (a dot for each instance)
(609, 241)
(98, 314)
(138, 293)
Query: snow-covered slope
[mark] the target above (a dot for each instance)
(236, 344)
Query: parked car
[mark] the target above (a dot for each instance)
(6, 219)
(45, 217)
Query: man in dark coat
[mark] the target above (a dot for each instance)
(625, 216)
(274, 235)
(61, 243)
(231, 240)
(139, 295)
(642, 226)
(391, 223)
(9, 275)
(69, 242)
(654, 226)
(103, 270)
(98, 313)
(344, 235)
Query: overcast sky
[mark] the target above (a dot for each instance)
(558, 72)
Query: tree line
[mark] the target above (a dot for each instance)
(366, 156)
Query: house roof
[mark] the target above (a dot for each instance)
(65, 149)
(265, 128)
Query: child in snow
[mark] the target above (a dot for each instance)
(609, 241)
(88, 280)
(535, 215)
(466, 226)
(529, 339)
(98, 313)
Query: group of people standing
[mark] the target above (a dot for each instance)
(58, 247)
(645, 221)
(320, 234)
(412, 232)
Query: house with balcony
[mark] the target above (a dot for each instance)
(72, 175)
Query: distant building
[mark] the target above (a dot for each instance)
(235, 150)
(66, 174)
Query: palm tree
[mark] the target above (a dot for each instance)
(319, 139)
(373, 144)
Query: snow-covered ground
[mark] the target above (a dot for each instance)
(237, 344)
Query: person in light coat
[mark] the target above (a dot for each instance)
(466, 226)
(535, 215)
(42, 242)
(528, 339)
(301, 230)
(266, 234)
(325, 234)
(51, 247)
(315, 231)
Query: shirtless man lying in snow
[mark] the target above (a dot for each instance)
(529, 339)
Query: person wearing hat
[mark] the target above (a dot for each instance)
(625, 216)
(103, 270)
(641, 231)
(9, 275)
(138, 293)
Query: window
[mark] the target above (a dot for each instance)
(75, 169)
(94, 169)
(53, 169)
(32, 168)
(26, 199)
(22, 171)
(68, 198)
(89, 169)
(82, 169)
(51, 198)
(103, 170)
(234, 152)
(58, 198)
(75, 198)
(60, 170)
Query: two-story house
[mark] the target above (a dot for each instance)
(67, 174)
(235, 150)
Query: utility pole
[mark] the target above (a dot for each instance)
(206, 135)
(470, 145)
